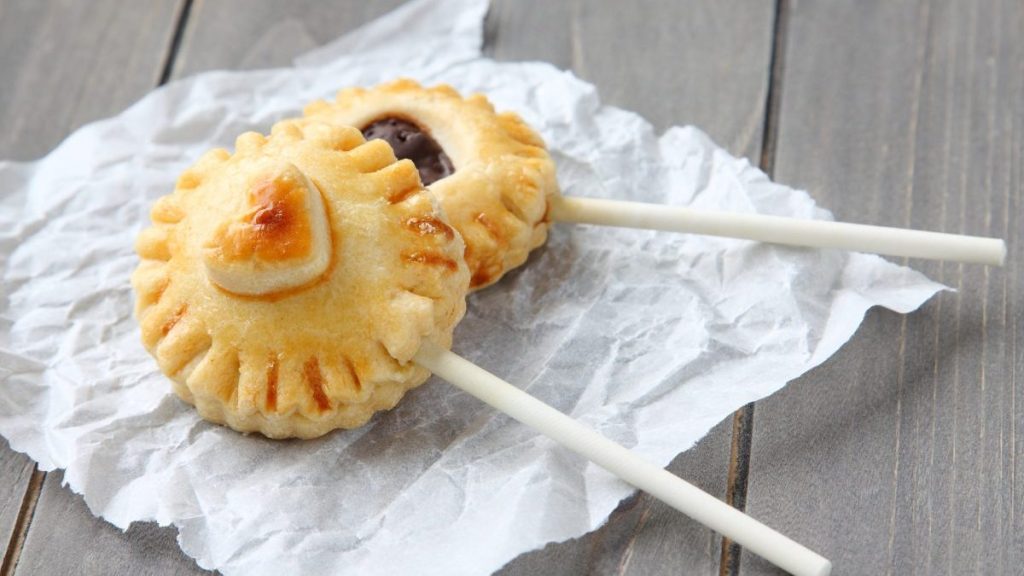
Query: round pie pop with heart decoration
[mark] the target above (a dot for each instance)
(285, 288)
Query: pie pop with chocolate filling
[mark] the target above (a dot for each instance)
(490, 171)
(285, 288)
(495, 179)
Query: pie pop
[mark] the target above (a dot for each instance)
(490, 171)
(285, 288)
(498, 187)
(308, 280)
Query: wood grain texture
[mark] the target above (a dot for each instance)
(701, 62)
(705, 63)
(240, 34)
(60, 544)
(66, 63)
(15, 471)
(903, 453)
(644, 536)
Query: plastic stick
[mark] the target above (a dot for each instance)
(780, 230)
(674, 491)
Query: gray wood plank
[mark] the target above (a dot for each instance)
(66, 63)
(644, 536)
(704, 63)
(60, 544)
(902, 454)
(15, 472)
(700, 62)
(239, 34)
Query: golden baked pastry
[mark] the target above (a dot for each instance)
(286, 287)
(490, 171)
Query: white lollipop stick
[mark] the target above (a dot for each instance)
(780, 230)
(672, 490)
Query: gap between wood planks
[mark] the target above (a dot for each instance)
(743, 419)
(25, 514)
(35, 484)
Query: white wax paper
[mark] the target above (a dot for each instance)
(651, 338)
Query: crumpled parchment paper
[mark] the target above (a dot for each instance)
(652, 338)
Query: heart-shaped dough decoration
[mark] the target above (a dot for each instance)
(280, 241)
(285, 288)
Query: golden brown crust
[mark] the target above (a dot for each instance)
(321, 356)
(498, 196)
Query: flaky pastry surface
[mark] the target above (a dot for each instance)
(498, 196)
(286, 287)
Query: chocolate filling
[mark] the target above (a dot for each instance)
(411, 142)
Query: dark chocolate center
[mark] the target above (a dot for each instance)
(411, 142)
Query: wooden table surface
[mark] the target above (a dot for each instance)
(903, 454)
